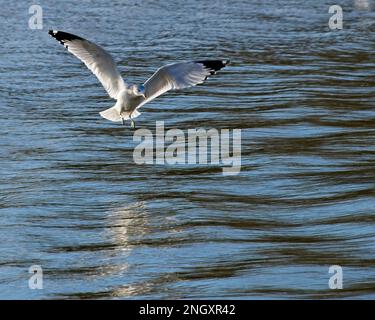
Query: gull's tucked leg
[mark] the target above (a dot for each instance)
(132, 121)
(123, 121)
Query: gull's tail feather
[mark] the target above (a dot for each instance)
(111, 114)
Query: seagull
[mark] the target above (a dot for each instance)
(129, 98)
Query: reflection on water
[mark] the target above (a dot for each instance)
(126, 223)
(123, 227)
(73, 201)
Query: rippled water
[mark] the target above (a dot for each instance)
(73, 201)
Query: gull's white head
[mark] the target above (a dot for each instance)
(139, 90)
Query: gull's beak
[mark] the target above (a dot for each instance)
(142, 91)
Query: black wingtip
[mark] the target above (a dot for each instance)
(62, 36)
(214, 65)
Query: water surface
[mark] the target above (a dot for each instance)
(73, 201)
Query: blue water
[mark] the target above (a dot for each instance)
(73, 201)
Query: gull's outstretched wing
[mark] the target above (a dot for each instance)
(179, 76)
(95, 58)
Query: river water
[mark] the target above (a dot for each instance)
(73, 201)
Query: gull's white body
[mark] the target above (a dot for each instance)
(129, 98)
(125, 108)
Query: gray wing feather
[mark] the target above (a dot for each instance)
(99, 61)
(179, 76)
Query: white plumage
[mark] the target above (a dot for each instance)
(131, 97)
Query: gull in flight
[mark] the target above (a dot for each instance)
(129, 98)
